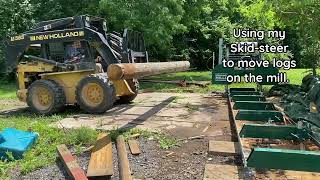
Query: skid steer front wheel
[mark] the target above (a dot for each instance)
(95, 94)
(45, 97)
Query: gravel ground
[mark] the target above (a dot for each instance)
(184, 162)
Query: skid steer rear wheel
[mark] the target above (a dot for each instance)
(45, 97)
(134, 85)
(95, 94)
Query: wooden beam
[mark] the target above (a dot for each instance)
(124, 169)
(215, 171)
(70, 163)
(134, 147)
(101, 163)
(223, 148)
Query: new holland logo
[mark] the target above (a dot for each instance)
(57, 36)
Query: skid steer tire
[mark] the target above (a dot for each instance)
(45, 97)
(134, 85)
(95, 94)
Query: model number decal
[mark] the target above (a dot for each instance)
(17, 38)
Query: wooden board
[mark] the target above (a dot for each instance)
(222, 172)
(223, 148)
(123, 161)
(134, 147)
(101, 163)
(70, 163)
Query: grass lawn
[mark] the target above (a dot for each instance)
(294, 75)
(8, 90)
(44, 152)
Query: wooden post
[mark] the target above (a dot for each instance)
(124, 169)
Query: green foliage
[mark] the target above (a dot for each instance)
(182, 29)
(82, 136)
(207, 21)
(266, 19)
(7, 91)
(52, 9)
(159, 20)
(16, 17)
(44, 151)
(166, 142)
(302, 18)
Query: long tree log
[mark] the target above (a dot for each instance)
(139, 70)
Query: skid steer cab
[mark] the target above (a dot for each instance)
(65, 62)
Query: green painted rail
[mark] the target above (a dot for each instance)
(247, 93)
(241, 89)
(297, 160)
(248, 98)
(254, 115)
(273, 132)
(254, 105)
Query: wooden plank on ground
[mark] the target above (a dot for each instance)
(134, 147)
(70, 163)
(222, 172)
(123, 162)
(223, 148)
(101, 163)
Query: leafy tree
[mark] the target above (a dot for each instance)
(207, 21)
(159, 20)
(53, 9)
(182, 29)
(303, 18)
(16, 17)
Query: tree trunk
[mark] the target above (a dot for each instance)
(139, 70)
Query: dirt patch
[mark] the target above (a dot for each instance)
(10, 104)
(169, 112)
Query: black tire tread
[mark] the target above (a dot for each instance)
(59, 96)
(109, 91)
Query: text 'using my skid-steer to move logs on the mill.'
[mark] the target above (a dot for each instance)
(268, 46)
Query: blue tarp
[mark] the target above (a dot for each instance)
(15, 141)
